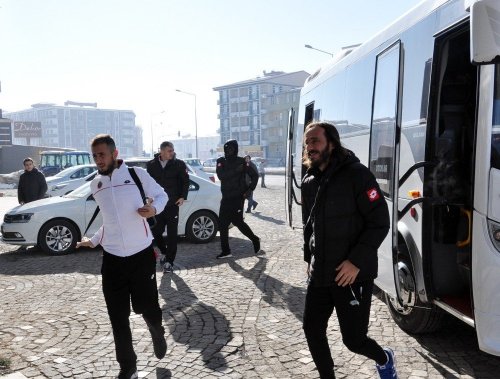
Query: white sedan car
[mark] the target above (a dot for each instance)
(57, 223)
(56, 184)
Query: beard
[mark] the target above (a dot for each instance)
(108, 169)
(324, 157)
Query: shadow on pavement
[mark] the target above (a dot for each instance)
(268, 218)
(275, 292)
(163, 373)
(196, 324)
(455, 339)
(33, 261)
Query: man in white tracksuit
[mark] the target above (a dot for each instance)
(129, 264)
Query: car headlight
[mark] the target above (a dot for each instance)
(17, 218)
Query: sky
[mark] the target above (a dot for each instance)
(133, 55)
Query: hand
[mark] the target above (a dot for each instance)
(347, 273)
(85, 242)
(147, 211)
(149, 200)
(180, 201)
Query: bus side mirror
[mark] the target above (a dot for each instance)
(485, 32)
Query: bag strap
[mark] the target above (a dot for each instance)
(138, 183)
(92, 220)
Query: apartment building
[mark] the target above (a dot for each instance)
(255, 112)
(75, 124)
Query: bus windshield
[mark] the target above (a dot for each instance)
(495, 136)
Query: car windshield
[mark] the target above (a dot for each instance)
(82, 191)
(65, 172)
(193, 162)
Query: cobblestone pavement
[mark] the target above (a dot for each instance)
(236, 318)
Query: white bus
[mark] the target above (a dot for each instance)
(419, 104)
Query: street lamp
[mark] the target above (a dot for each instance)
(326, 52)
(152, 139)
(195, 119)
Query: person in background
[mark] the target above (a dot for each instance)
(128, 262)
(32, 185)
(262, 173)
(170, 173)
(346, 218)
(252, 204)
(232, 172)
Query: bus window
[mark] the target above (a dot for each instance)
(384, 119)
(495, 137)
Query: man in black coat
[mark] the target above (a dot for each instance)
(32, 185)
(346, 219)
(170, 173)
(232, 172)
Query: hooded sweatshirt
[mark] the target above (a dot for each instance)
(232, 172)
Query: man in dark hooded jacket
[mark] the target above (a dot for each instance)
(170, 173)
(346, 218)
(232, 172)
(32, 185)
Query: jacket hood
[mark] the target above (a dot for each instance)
(231, 148)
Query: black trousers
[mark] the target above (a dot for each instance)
(263, 180)
(126, 280)
(231, 211)
(353, 321)
(170, 218)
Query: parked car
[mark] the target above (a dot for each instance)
(52, 162)
(58, 184)
(142, 162)
(195, 163)
(57, 223)
(210, 162)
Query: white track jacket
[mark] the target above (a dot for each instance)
(124, 232)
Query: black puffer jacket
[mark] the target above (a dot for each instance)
(232, 172)
(346, 217)
(174, 177)
(32, 186)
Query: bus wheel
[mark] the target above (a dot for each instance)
(412, 316)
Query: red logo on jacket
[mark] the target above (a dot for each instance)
(372, 194)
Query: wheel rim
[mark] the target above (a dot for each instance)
(203, 227)
(59, 238)
(407, 290)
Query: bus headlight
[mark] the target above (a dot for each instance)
(494, 229)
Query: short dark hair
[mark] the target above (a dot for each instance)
(332, 136)
(166, 144)
(104, 139)
(27, 159)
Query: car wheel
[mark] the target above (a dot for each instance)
(58, 237)
(202, 227)
(413, 316)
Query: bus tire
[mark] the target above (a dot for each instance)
(415, 317)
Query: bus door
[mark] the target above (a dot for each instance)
(448, 184)
(384, 151)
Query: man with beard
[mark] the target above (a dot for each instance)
(345, 219)
(128, 264)
(232, 172)
(170, 173)
(32, 185)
